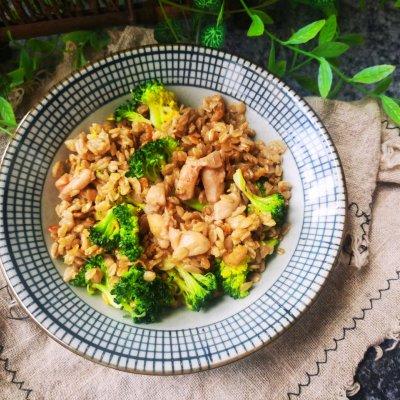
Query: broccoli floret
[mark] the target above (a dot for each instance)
(105, 233)
(260, 185)
(150, 158)
(232, 277)
(127, 111)
(196, 289)
(129, 243)
(272, 242)
(195, 204)
(119, 229)
(162, 103)
(274, 203)
(144, 301)
(94, 262)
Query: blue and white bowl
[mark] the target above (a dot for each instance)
(184, 341)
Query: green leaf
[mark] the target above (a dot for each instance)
(328, 32)
(40, 46)
(305, 34)
(391, 108)
(263, 15)
(17, 77)
(280, 68)
(383, 85)
(331, 49)
(7, 113)
(324, 77)
(25, 62)
(78, 37)
(307, 83)
(257, 26)
(99, 40)
(397, 4)
(352, 39)
(272, 57)
(373, 74)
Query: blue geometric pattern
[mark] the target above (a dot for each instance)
(72, 322)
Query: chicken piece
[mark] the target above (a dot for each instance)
(174, 237)
(225, 207)
(155, 198)
(187, 179)
(62, 181)
(195, 244)
(77, 183)
(158, 225)
(190, 171)
(98, 143)
(213, 182)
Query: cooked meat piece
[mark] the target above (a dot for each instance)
(213, 182)
(226, 205)
(195, 243)
(155, 198)
(190, 171)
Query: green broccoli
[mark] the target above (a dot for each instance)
(195, 204)
(196, 289)
(232, 277)
(151, 157)
(105, 233)
(274, 203)
(119, 229)
(162, 103)
(127, 111)
(144, 301)
(94, 262)
(129, 243)
(260, 185)
(272, 242)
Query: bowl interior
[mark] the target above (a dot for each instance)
(226, 306)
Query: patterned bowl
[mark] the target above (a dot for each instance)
(184, 341)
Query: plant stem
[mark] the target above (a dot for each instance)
(167, 20)
(247, 9)
(298, 66)
(312, 56)
(196, 10)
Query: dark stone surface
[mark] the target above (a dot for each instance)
(380, 27)
(379, 380)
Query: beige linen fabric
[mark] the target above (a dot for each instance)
(313, 360)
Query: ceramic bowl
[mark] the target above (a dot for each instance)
(183, 341)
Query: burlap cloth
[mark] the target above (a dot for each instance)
(317, 357)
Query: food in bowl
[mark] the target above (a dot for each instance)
(164, 205)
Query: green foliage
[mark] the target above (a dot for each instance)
(324, 77)
(151, 157)
(211, 5)
(373, 74)
(305, 34)
(144, 301)
(163, 32)
(7, 117)
(196, 289)
(232, 277)
(273, 204)
(84, 40)
(392, 109)
(213, 36)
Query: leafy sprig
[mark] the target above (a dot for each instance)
(33, 56)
